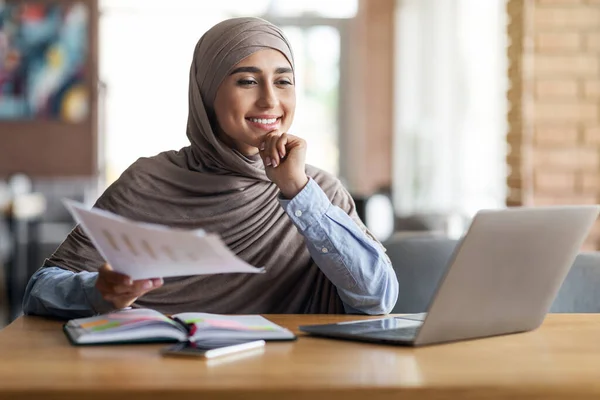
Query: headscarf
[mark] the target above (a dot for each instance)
(211, 186)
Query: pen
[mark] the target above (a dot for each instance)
(189, 328)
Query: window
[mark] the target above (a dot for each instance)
(450, 107)
(145, 54)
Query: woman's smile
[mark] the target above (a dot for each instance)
(264, 122)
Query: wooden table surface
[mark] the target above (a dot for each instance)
(559, 360)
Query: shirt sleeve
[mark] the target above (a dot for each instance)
(355, 263)
(53, 291)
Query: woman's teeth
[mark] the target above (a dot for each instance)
(264, 121)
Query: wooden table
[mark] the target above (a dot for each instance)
(559, 360)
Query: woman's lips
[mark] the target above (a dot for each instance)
(264, 124)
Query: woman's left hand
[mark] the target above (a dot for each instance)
(284, 156)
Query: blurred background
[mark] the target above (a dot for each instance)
(427, 110)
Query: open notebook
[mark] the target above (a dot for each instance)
(146, 325)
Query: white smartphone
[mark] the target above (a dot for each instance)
(211, 349)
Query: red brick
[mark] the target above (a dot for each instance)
(554, 66)
(591, 135)
(553, 181)
(558, 42)
(560, 88)
(567, 112)
(559, 2)
(552, 135)
(593, 42)
(566, 17)
(566, 159)
(591, 89)
(590, 182)
(564, 199)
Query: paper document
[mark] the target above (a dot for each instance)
(143, 250)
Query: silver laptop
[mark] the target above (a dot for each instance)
(502, 278)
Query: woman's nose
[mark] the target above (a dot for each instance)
(268, 97)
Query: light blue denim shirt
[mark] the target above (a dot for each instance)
(354, 262)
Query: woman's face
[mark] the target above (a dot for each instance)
(257, 97)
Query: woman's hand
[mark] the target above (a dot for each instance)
(119, 289)
(284, 157)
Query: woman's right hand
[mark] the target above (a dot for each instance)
(120, 289)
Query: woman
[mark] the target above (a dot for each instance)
(243, 177)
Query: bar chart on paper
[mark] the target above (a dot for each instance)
(143, 250)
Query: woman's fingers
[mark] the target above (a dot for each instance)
(106, 273)
(280, 145)
(157, 282)
(262, 150)
(120, 290)
(271, 150)
(138, 287)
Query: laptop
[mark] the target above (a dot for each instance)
(502, 278)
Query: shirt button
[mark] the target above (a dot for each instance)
(324, 250)
(298, 213)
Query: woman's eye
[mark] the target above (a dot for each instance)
(284, 82)
(246, 82)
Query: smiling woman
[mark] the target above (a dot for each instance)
(243, 177)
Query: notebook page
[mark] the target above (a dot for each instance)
(234, 326)
(121, 321)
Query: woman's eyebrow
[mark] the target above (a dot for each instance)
(283, 70)
(245, 69)
(280, 70)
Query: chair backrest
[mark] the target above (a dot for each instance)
(420, 263)
(580, 292)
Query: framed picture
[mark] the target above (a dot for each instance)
(44, 48)
(48, 93)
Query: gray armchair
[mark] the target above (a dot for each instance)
(420, 263)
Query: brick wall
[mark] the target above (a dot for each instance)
(555, 120)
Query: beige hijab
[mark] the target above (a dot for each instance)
(211, 186)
